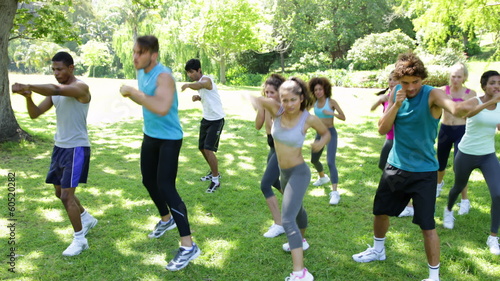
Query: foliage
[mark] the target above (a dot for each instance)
(96, 55)
(256, 62)
(43, 19)
(380, 49)
(239, 76)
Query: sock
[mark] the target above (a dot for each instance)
(187, 248)
(165, 222)
(434, 272)
(79, 235)
(300, 273)
(465, 200)
(378, 243)
(215, 179)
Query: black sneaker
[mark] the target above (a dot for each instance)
(160, 228)
(212, 187)
(183, 257)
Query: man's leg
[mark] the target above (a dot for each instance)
(211, 160)
(431, 243)
(380, 226)
(72, 206)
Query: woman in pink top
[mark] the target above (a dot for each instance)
(453, 128)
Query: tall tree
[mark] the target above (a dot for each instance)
(25, 21)
(442, 20)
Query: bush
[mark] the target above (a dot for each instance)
(377, 50)
(438, 76)
(238, 76)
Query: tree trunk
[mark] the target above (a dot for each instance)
(222, 71)
(9, 128)
(282, 62)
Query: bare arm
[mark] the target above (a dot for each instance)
(314, 122)
(340, 114)
(466, 108)
(386, 122)
(261, 103)
(204, 83)
(260, 118)
(161, 102)
(380, 101)
(76, 89)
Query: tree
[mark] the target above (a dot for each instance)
(380, 49)
(96, 54)
(42, 20)
(442, 20)
(223, 28)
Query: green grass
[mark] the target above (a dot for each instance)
(229, 224)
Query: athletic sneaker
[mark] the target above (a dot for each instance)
(306, 276)
(322, 181)
(160, 228)
(369, 255)
(76, 247)
(212, 187)
(183, 257)
(305, 246)
(274, 231)
(428, 279)
(439, 188)
(464, 207)
(334, 197)
(407, 212)
(492, 242)
(88, 224)
(448, 219)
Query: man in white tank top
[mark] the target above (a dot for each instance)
(213, 119)
(71, 153)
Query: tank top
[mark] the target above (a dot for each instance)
(479, 137)
(467, 91)
(415, 131)
(211, 102)
(166, 127)
(71, 126)
(319, 111)
(293, 137)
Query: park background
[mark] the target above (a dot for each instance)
(335, 39)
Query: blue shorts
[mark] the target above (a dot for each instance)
(69, 166)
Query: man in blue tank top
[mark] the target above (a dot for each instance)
(71, 154)
(411, 172)
(161, 146)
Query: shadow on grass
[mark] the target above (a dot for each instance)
(228, 224)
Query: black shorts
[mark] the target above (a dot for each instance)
(397, 187)
(69, 166)
(210, 134)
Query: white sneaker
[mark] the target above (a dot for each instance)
(305, 277)
(76, 247)
(322, 181)
(464, 207)
(439, 188)
(492, 242)
(334, 197)
(407, 212)
(448, 219)
(274, 231)
(305, 246)
(369, 255)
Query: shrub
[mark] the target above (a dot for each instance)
(377, 50)
(238, 76)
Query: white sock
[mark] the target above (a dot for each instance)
(465, 200)
(434, 272)
(300, 273)
(165, 222)
(378, 243)
(79, 235)
(187, 248)
(215, 179)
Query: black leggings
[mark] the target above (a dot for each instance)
(159, 161)
(448, 136)
(490, 167)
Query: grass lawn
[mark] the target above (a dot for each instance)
(227, 225)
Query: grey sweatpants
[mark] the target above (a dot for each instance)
(490, 167)
(295, 182)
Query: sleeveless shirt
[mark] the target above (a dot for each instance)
(415, 131)
(211, 102)
(166, 127)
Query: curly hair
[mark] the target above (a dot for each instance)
(298, 87)
(274, 80)
(324, 82)
(409, 64)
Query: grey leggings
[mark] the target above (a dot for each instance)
(330, 156)
(271, 175)
(295, 182)
(490, 167)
